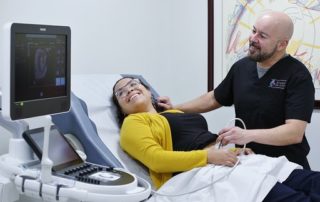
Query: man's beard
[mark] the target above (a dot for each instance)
(258, 56)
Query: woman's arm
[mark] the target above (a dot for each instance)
(153, 147)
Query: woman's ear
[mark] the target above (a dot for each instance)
(153, 100)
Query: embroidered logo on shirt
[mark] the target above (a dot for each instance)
(279, 84)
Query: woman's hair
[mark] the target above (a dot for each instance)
(120, 114)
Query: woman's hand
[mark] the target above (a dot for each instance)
(164, 101)
(227, 157)
(247, 151)
(239, 151)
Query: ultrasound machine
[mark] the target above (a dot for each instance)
(41, 162)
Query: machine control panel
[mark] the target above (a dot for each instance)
(96, 174)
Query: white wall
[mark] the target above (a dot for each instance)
(164, 40)
(313, 136)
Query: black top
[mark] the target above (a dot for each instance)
(286, 91)
(189, 131)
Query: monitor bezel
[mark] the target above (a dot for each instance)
(46, 106)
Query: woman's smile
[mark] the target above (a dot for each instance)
(133, 95)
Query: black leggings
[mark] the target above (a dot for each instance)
(301, 185)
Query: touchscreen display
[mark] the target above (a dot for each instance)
(61, 153)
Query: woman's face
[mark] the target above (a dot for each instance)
(132, 96)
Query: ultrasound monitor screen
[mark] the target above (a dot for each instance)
(39, 70)
(40, 66)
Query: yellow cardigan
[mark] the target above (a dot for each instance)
(147, 138)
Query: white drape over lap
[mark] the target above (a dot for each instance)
(250, 181)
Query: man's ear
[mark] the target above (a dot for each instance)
(282, 44)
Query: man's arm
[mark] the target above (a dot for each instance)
(289, 133)
(204, 103)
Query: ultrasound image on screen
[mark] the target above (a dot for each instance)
(60, 152)
(40, 62)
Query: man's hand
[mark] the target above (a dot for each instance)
(164, 101)
(234, 135)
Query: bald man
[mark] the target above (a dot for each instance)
(271, 91)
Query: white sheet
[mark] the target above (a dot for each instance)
(250, 181)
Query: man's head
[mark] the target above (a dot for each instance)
(269, 38)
